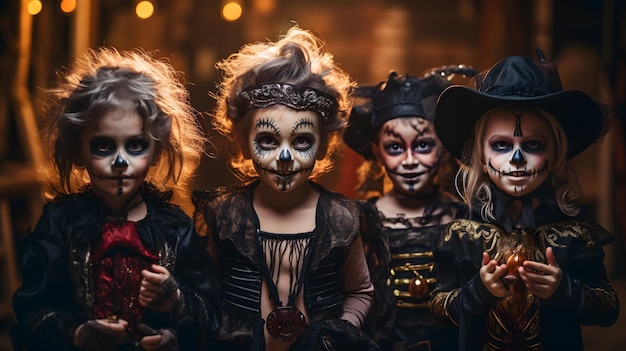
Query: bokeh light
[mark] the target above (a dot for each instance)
(231, 11)
(264, 6)
(34, 7)
(144, 9)
(68, 6)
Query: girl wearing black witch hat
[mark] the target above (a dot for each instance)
(526, 269)
(392, 129)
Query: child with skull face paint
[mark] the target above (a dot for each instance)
(103, 268)
(291, 259)
(526, 269)
(393, 128)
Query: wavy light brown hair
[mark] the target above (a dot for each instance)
(473, 182)
(297, 59)
(107, 79)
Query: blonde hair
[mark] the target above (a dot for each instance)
(107, 79)
(297, 59)
(473, 183)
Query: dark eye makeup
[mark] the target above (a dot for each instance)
(103, 146)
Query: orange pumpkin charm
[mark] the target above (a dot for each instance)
(514, 261)
(418, 287)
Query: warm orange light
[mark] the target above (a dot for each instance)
(264, 6)
(231, 11)
(34, 7)
(144, 9)
(68, 6)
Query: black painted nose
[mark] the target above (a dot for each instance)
(285, 156)
(120, 162)
(518, 157)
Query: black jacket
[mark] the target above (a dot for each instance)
(56, 295)
(585, 295)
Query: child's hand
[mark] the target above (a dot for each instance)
(157, 340)
(542, 279)
(101, 334)
(159, 291)
(491, 274)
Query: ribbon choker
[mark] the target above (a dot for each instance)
(294, 96)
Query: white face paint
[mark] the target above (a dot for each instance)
(284, 144)
(518, 150)
(410, 152)
(117, 155)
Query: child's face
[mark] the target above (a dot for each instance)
(117, 154)
(518, 150)
(410, 151)
(284, 144)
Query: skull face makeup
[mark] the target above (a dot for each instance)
(518, 150)
(117, 155)
(284, 144)
(410, 152)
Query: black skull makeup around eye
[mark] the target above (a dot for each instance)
(137, 147)
(101, 147)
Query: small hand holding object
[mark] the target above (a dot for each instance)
(101, 334)
(159, 291)
(542, 279)
(491, 273)
(163, 339)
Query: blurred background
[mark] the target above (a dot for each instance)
(40, 38)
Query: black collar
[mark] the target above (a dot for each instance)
(502, 201)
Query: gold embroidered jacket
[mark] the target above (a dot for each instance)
(521, 320)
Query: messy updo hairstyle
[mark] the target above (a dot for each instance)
(106, 80)
(296, 59)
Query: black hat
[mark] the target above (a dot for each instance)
(517, 80)
(399, 96)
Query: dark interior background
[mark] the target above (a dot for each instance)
(367, 37)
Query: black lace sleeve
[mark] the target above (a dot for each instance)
(378, 323)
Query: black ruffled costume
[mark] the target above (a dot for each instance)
(521, 321)
(59, 272)
(400, 317)
(228, 214)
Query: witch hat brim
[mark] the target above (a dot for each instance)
(459, 108)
